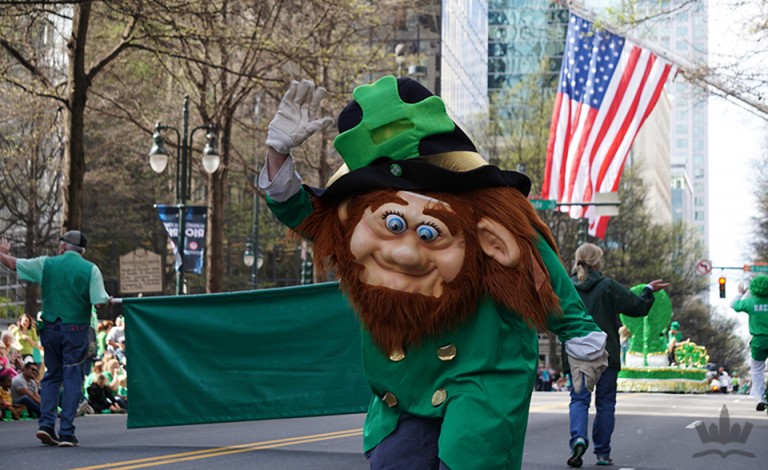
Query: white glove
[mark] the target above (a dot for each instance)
(295, 119)
(586, 373)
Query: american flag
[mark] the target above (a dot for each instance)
(608, 87)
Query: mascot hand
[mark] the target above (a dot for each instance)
(296, 117)
(586, 373)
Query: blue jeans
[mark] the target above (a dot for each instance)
(605, 418)
(413, 445)
(65, 346)
(32, 407)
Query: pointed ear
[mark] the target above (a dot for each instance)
(498, 242)
(343, 211)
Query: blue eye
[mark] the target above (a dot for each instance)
(427, 233)
(395, 223)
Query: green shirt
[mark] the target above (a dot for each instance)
(757, 309)
(66, 293)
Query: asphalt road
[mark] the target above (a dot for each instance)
(654, 431)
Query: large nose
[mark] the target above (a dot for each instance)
(406, 252)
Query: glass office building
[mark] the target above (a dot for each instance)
(525, 37)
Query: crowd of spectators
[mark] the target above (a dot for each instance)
(551, 380)
(22, 367)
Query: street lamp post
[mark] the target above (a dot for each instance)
(158, 160)
(252, 256)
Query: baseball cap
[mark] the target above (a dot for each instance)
(74, 237)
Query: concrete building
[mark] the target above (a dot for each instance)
(650, 155)
(682, 194)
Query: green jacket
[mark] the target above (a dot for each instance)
(477, 377)
(757, 309)
(605, 299)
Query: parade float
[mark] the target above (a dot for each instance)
(647, 368)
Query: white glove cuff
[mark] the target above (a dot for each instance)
(284, 185)
(587, 348)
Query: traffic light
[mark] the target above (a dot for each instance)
(721, 281)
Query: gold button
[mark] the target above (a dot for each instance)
(390, 399)
(439, 397)
(447, 352)
(397, 355)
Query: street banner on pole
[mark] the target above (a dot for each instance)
(194, 234)
(607, 88)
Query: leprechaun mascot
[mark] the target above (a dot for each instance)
(755, 304)
(446, 264)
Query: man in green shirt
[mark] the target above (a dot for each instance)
(754, 302)
(448, 267)
(70, 287)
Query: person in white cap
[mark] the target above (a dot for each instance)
(70, 285)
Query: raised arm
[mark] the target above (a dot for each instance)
(5, 257)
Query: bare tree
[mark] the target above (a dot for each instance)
(44, 54)
(223, 53)
(30, 169)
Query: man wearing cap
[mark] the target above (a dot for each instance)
(70, 287)
(447, 266)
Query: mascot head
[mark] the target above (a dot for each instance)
(759, 286)
(418, 226)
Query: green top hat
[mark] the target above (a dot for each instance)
(396, 134)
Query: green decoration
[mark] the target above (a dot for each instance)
(661, 313)
(662, 373)
(390, 127)
(691, 355)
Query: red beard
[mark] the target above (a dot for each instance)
(397, 319)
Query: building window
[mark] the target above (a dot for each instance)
(699, 216)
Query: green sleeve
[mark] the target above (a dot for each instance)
(31, 269)
(742, 305)
(574, 321)
(96, 288)
(293, 211)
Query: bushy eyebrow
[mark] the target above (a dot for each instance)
(386, 198)
(445, 214)
(437, 208)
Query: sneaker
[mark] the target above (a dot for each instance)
(578, 449)
(68, 441)
(604, 460)
(760, 406)
(47, 436)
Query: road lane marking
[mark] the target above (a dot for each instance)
(221, 451)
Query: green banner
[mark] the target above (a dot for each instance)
(272, 353)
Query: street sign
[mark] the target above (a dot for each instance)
(606, 204)
(544, 204)
(756, 268)
(141, 271)
(704, 267)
